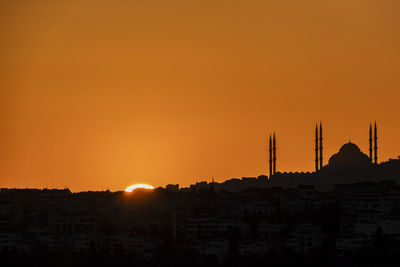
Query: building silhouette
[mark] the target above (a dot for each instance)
(347, 210)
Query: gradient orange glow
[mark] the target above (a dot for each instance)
(93, 93)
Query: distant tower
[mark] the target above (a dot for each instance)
(320, 146)
(274, 154)
(270, 156)
(370, 142)
(375, 145)
(316, 147)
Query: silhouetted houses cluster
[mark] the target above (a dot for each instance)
(156, 227)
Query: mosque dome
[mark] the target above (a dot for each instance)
(349, 157)
(350, 148)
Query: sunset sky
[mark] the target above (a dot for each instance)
(98, 94)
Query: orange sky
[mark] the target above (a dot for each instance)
(98, 94)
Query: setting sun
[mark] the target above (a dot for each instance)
(137, 186)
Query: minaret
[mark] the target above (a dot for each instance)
(270, 156)
(320, 146)
(274, 154)
(370, 142)
(316, 148)
(375, 145)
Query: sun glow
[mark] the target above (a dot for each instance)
(138, 186)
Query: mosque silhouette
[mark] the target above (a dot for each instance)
(348, 165)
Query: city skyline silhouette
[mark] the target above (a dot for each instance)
(176, 133)
(270, 168)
